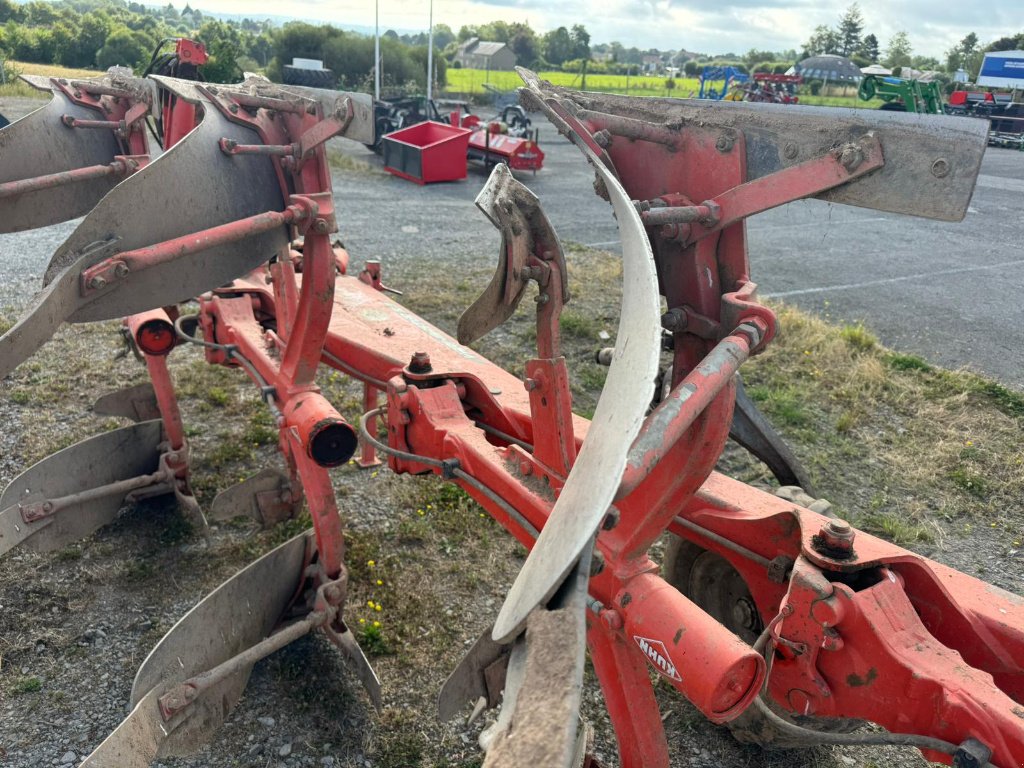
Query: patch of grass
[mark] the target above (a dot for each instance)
(895, 528)
(784, 403)
(218, 396)
(902, 362)
(400, 741)
(24, 685)
(968, 481)
(230, 449)
(340, 161)
(21, 396)
(372, 639)
(578, 324)
(138, 571)
(858, 337)
(258, 434)
(863, 417)
(70, 554)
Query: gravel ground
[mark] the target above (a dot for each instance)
(90, 632)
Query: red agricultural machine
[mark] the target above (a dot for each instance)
(769, 615)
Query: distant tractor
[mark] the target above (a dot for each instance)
(902, 95)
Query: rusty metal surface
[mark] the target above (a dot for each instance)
(931, 161)
(525, 231)
(40, 144)
(360, 128)
(107, 458)
(204, 188)
(591, 486)
(266, 497)
(470, 680)
(544, 685)
(239, 613)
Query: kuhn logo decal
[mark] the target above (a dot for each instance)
(657, 654)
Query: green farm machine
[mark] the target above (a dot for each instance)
(902, 95)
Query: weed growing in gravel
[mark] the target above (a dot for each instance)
(25, 685)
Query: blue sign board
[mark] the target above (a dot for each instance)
(1005, 69)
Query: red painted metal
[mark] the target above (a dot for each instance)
(520, 153)
(101, 275)
(122, 166)
(427, 152)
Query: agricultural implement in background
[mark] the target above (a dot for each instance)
(771, 616)
(716, 82)
(771, 88)
(1005, 115)
(507, 138)
(902, 95)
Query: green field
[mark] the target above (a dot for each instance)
(470, 82)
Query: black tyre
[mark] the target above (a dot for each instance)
(383, 126)
(4, 122)
(311, 78)
(893, 106)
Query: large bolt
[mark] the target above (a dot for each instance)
(724, 143)
(121, 270)
(420, 363)
(675, 320)
(940, 168)
(835, 540)
(851, 157)
(97, 283)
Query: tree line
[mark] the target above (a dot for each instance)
(848, 38)
(102, 33)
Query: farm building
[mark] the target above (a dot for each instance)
(477, 54)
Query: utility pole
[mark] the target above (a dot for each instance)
(376, 50)
(430, 57)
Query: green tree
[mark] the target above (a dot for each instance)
(823, 40)
(1007, 44)
(869, 48)
(966, 54)
(899, 51)
(124, 48)
(558, 46)
(580, 42)
(851, 25)
(92, 32)
(526, 48)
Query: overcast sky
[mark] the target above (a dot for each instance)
(717, 27)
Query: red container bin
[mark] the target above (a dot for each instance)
(427, 152)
